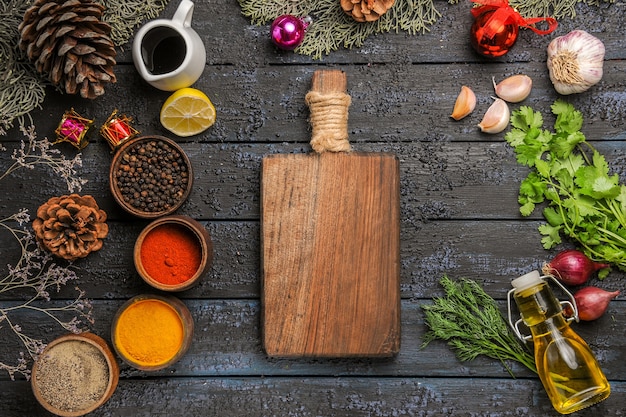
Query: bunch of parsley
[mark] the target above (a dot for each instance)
(584, 202)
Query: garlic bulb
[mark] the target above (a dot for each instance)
(575, 62)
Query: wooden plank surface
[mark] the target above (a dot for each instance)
(331, 255)
(458, 216)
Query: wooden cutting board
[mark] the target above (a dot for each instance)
(330, 250)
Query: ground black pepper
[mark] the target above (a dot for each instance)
(152, 176)
(72, 376)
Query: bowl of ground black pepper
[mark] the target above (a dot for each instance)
(75, 374)
(173, 252)
(150, 176)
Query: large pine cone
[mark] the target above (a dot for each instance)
(366, 10)
(67, 42)
(71, 226)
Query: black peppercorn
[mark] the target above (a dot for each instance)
(151, 176)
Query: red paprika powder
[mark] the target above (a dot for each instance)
(171, 254)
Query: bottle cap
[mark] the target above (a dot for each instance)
(526, 281)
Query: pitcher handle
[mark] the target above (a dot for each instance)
(184, 13)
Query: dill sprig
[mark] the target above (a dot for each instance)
(470, 321)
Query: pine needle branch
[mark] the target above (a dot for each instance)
(333, 29)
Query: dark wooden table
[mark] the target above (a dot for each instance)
(458, 206)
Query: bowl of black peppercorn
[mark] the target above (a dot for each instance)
(150, 176)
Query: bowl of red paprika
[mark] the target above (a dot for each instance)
(173, 252)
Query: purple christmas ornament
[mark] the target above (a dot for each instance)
(288, 31)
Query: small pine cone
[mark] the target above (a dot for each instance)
(71, 226)
(366, 10)
(67, 41)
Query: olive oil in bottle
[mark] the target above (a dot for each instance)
(566, 366)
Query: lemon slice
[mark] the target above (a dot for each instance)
(187, 112)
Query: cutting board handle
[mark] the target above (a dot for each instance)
(328, 103)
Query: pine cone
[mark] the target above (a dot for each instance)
(71, 226)
(366, 10)
(67, 42)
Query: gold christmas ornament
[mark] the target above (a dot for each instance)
(69, 43)
(366, 10)
(71, 226)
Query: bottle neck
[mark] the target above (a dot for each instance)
(539, 307)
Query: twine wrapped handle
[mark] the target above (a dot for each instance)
(328, 104)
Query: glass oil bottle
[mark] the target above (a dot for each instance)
(566, 366)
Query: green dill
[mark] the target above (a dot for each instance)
(470, 321)
(583, 200)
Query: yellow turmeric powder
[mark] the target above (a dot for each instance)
(149, 333)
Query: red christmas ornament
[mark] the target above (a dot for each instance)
(496, 25)
(493, 36)
(288, 31)
(117, 130)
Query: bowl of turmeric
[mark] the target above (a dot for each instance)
(152, 332)
(173, 252)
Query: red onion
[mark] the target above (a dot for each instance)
(572, 267)
(592, 302)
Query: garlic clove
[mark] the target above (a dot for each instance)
(575, 62)
(496, 118)
(514, 88)
(465, 103)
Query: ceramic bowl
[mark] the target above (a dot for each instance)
(150, 176)
(74, 375)
(169, 267)
(151, 332)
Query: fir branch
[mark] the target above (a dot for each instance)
(125, 16)
(332, 29)
(470, 321)
(555, 8)
(21, 89)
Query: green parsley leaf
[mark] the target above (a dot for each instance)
(552, 235)
(552, 216)
(583, 200)
(568, 119)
